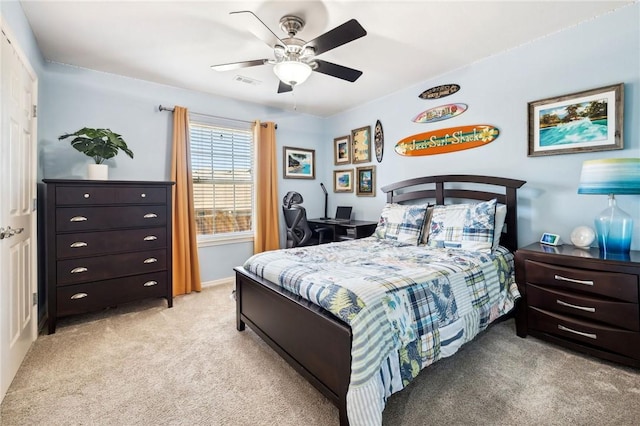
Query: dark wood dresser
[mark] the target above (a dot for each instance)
(580, 299)
(105, 243)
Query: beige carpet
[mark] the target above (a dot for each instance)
(144, 364)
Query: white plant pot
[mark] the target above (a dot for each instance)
(98, 171)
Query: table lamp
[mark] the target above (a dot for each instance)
(612, 176)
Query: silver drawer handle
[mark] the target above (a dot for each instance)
(143, 195)
(151, 260)
(150, 215)
(150, 283)
(569, 305)
(589, 335)
(78, 244)
(79, 270)
(573, 280)
(150, 238)
(78, 219)
(79, 296)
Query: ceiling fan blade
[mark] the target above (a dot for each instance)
(339, 71)
(263, 32)
(284, 87)
(238, 65)
(342, 34)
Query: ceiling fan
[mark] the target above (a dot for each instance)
(295, 59)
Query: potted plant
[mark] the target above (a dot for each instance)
(99, 144)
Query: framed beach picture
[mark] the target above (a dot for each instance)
(361, 145)
(579, 122)
(366, 181)
(343, 180)
(299, 163)
(342, 150)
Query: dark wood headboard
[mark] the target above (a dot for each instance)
(437, 188)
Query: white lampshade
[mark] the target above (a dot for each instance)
(292, 72)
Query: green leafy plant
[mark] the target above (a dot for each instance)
(99, 144)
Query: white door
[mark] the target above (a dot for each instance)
(18, 312)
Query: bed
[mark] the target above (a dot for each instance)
(358, 344)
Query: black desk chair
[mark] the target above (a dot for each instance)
(299, 233)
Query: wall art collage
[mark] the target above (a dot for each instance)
(357, 148)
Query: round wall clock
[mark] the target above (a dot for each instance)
(378, 140)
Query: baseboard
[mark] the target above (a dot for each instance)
(221, 281)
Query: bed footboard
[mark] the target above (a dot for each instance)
(310, 339)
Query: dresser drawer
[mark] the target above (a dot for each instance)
(80, 270)
(74, 219)
(84, 195)
(621, 314)
(78, 298)
(612, 339)
(610, 284)
(105, 242)
(91, 195)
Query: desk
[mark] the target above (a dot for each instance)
(345, 230)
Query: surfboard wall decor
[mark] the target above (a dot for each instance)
(439, 91)
(447, 140)
(378, 140)
(440, 113)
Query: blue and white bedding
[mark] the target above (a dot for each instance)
(407, 305)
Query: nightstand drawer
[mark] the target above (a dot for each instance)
(74, 219)
(610, 284)
(624, 315)
(105, 242)
(616, 340)
(74, 271)
(78, 298)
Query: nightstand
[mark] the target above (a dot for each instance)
(581, 300)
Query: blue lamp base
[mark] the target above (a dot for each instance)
(614, 228)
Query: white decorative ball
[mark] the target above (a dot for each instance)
(582, 236)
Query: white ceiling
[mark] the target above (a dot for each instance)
(175, 42)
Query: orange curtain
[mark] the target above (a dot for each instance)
(186, 268)
(267, 233)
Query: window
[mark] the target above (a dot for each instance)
(222, 167)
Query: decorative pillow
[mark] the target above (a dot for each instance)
(402, 223)
(463, 226)
(501, 215)
(427, 224)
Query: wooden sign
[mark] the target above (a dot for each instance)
(439, 91)
(440, 113)
(378, 140)
(447, 140)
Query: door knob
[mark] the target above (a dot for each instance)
(9, 232)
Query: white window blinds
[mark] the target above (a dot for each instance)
(222, 165)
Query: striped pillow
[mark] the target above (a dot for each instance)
(402, 223)
(463, 226)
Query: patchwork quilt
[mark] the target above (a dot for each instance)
(407, 305)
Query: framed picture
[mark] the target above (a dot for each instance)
(343, 180)
(366, 181)
(361, 145)
(299, 163)
(580, 122)
(342, 150)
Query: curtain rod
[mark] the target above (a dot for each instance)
(161, 108)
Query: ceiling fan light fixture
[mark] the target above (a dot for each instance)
(292, 73)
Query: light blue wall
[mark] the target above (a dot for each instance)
(597, 53)
(74, 98)
(600, 52)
